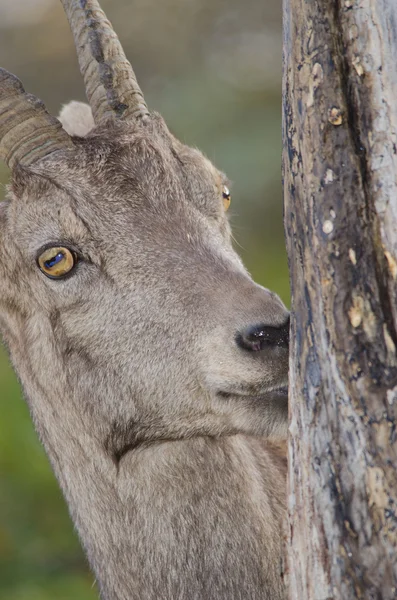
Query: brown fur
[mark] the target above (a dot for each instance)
(155, 421)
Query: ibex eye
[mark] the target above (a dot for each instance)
(226, 197)
(57, 262)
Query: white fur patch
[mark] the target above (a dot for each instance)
(76, 118)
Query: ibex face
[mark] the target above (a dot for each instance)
(119, 286)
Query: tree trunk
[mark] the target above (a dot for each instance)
(340, 189)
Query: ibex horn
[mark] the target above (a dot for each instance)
(27, 131)
(111, 86)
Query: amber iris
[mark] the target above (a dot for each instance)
(226, 197)
(56, 262)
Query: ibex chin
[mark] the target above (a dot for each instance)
(154, 367)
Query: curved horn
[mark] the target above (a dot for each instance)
(111, 86)
(27, 131)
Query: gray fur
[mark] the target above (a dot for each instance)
(158, 426)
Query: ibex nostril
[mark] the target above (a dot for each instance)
(258, 337)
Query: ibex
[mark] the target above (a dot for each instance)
(154, 367)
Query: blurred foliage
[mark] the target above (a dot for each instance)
(212, 68)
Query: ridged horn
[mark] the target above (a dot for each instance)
(111, 86)
(27, 131)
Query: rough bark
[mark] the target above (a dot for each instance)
(340, 188)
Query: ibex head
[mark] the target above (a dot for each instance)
(120, 291)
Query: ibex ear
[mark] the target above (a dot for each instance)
(76, 118)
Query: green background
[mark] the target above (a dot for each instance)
(213, 70)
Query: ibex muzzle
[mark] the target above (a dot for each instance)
(150, 359)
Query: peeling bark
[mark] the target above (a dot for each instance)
(340, 191)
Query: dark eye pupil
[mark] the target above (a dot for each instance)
(54, 260)
(226, 193)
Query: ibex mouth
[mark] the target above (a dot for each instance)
(274, 394)
(281, 391)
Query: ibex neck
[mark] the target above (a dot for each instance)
(182, 520)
